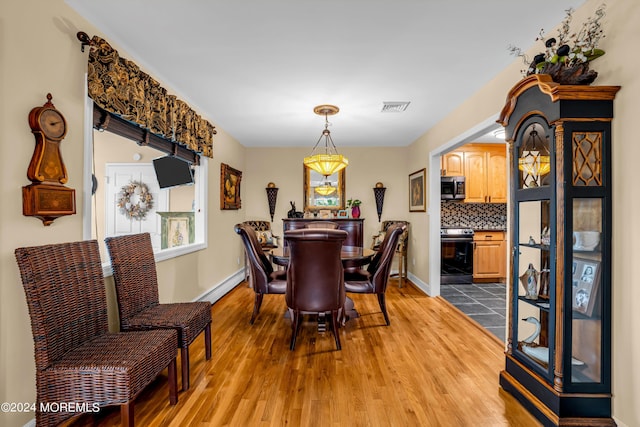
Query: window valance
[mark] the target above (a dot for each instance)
(118, 86)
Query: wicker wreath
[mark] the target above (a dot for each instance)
(135, 200)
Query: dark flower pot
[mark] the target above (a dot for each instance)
(579, 74)
(355, 212)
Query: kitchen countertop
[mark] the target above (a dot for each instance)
(490, 229)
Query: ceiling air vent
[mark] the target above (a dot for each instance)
(394, 107)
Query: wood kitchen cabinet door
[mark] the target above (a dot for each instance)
(453, 164)
(489, 255)
(497, 175)
(486, 173)
(475, 183)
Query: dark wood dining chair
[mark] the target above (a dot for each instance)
(315, 276)
(266, 239)
(262, 278)
(136, 282)
(322, 224)
(77, 359)
(374, 279)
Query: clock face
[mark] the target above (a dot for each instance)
(53, 124)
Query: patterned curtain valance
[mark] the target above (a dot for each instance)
(119, 86)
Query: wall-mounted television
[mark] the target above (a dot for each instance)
(172, 171)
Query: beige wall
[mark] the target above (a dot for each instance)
(28, 71)
(39, 53)
(283, 166)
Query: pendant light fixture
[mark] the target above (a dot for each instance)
(534, 160)
(325, 189)
(330, 161)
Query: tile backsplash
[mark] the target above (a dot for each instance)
(479, 216)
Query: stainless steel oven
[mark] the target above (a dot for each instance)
(456, 255)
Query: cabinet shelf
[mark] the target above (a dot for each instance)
(536, 246)
(541, 303)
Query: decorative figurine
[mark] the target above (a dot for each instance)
(529, 281)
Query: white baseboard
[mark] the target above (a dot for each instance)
(221, 289)
(424, 287)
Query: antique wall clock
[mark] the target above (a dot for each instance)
(46, 197)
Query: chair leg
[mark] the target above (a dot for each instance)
(246, 270)
(173, 382)
(335, 314)
(184, 361)
(383, 306)
(295, 327)
(256, 307)
(400, 270)
(126, 414)
(207, 341)
(406, 273)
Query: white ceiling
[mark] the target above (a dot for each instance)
(256, 68)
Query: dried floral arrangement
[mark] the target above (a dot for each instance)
(566, 57)
(135, 200)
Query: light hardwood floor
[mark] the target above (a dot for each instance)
(432, 367)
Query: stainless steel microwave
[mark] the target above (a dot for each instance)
(452, 188)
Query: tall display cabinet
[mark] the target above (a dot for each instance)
(558, 360)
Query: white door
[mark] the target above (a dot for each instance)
(120, 175)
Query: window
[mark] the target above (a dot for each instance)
(124, 197)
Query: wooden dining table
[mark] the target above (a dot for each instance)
(351, 256)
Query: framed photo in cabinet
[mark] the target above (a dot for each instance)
(585, 274)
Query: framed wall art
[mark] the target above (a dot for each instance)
(230, 187)
(585, 286)
(178, 229)
(417, 199)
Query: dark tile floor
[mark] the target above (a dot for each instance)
(483, 302)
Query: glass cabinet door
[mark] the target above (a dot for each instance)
(586, 292)
(533, 319)
(533, 282)
(585, 243)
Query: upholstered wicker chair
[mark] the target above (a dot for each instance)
(264, 234)
(401, 249)
(136, 280)
(77, 359)
(315, 276)
(374, 279)
(263, 280)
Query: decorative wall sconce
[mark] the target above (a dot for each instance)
(272, 195)
(378, 192)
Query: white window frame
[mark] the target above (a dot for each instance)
(200, 206)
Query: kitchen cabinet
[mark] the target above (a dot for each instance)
(489, 255)
(452, 164)
(558, 358)
(485, 167)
